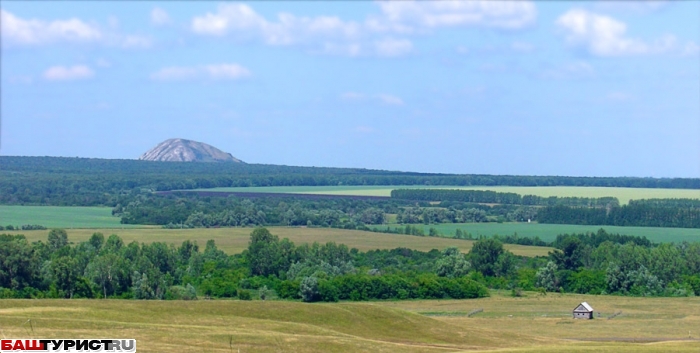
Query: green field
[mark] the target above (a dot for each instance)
(548, 232)
(235, 240)
(530, 324)
(623, 194)
(60, 217)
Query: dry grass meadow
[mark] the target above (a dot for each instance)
(235, 240)
(531, 324)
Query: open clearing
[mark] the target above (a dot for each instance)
(235, 240)
(623, 194)
(60, 217)
(548, 232)
(532, 324)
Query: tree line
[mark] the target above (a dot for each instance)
(109, 268)
(507, 198)
(64, 181)
(647, 214)
(184, 210)
(106, 267)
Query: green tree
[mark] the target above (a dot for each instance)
(546, 277)
(97, 240)
(484, 256)
(452, 264)
(19, 263)
(58, 238)
(105, 270)
(571, 255)
(65, 274)
(308, 289)
(263, 254)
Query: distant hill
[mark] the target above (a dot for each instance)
(181, 150)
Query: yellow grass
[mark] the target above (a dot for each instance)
(235, 240)
(230, 325)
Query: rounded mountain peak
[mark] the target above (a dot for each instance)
(182, 150)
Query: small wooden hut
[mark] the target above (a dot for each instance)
(583, 311)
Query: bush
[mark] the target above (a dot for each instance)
(288, 289)
(33, 227)
(244, 295)
(327, 291)
(181, 293)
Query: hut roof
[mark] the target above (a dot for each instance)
(583, 307)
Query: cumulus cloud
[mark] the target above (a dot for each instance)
(288, 29)
(21, 31)
(605, 36)
(159, 17)
(63, 73)
(643, 6)
(485, 13)
(373, 36)
(213, 72)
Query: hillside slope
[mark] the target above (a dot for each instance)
(181, 150)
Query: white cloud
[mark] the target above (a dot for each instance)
(159, 17)
(62, 73)
(605, 36)
(393, 47)
(643, 6)
(483, 13)
(389, 99)
(21, 31)
(333, 35)
(289, 29)
(214, 72)
(226, 71)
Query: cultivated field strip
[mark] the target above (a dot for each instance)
(235, 240)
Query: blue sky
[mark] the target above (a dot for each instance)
(594, 88)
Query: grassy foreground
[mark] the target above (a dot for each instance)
(623, 194)
(533, 324)
(235, 240)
